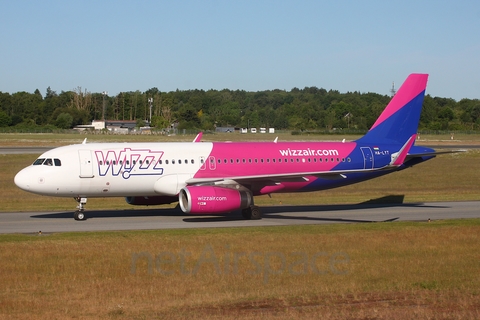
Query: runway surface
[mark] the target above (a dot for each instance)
(145, 219)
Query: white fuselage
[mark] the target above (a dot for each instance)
(114, 169)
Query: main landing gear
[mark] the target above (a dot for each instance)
(252, 213)
(79, 215)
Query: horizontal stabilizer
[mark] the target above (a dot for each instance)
(432, 154)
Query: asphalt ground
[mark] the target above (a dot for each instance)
(158, 218)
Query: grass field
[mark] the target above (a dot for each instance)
(357, 271)
(36, 139)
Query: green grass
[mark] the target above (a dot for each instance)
(48, 139)
(387, 270)
(414, 269)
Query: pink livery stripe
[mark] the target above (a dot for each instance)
(269, 158)
(411, 88)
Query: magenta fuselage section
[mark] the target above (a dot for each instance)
(244, 160)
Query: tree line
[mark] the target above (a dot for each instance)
(310, 108)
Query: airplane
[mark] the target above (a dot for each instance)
(220, 177)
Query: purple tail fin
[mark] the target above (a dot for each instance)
(399, 121)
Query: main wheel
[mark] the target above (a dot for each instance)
(79, 216)
(252, 213)
(256, 213)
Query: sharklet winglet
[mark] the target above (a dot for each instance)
(399, 157)
(198, 137)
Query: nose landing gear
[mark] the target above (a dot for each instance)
(79, 215)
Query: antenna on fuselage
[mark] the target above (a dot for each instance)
(84, 141)
(275, 141)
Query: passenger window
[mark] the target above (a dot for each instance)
(39, 162)
(57, 162)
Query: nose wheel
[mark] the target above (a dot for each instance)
(79, 215)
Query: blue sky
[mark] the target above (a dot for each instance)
(257, 45)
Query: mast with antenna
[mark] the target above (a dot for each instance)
(393, 91)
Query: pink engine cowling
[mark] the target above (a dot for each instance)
(212, 199)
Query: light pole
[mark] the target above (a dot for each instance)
(150, 101)
(105, 93)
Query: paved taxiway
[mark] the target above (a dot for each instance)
(144, 219)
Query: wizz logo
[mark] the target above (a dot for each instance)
(129, 162)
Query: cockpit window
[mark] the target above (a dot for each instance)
(38, 161)
(47, 162)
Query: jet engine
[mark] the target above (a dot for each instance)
(213, 199)
(150, 201)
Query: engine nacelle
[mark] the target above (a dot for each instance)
(212, 199)
(150, 201)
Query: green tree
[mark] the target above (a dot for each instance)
(64, 121)
(5, 119)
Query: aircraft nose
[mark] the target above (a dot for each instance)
(22, 180)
